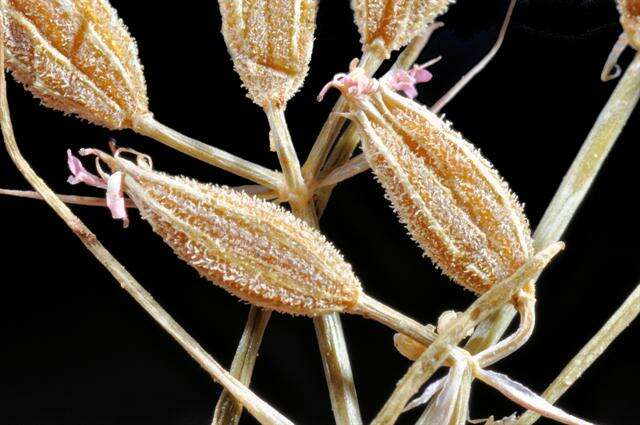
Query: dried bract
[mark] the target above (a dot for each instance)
(630, 20)
(388, 25)
(76, 56)
(451, 199)
(270, 43)
(254, 249)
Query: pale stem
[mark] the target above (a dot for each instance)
(620, 320)
(437, 107)
(296, 191)
(370, 62)
(260, 409)
(437, 353)
(148, 126)
(350, 138)
(228, 409)
(331, 340)
(67, 199)
(577, 180)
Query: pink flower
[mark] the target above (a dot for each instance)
(113, 185)
(355, 83)
(79, 174)
(405, 81)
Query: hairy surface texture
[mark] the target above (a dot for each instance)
(388, 25)
(453, 202)
(630, 20)
(254, 249)
(270, 42)
(76, 56)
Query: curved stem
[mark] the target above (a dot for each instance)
(437, 353)
(148, 126)
(466, 78)
(497, 352)
(260, 409)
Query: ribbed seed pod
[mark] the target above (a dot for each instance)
(388, 25)
(76, 56)
(270, 42)
(453, 202)
(630, 20)
(254, 249)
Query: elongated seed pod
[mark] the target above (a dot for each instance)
(388, 25)
(630, 20)
(453, 202)
(270, 42)
(76, 56)
(254, 249)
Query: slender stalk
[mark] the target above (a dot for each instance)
(466, 78)
(576, 183)
(228, 409)
(67, 199)
(148, 126)
(618, 322)
(260, 409)
(331, 341)
(437, 353)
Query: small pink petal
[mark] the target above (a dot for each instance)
(115, 198)
(80, 175)
(421, 75)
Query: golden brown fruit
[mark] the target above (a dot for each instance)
(76, 56)
(256, 250)
(388, 25)
(270, 42)
(453, 202)
(630, 20)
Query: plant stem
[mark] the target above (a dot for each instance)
(603, 135)
(67, 199)
(575, 184)
(437, 353)
(148, 126)
(466, 78)
(260, 409)
(331, 341)
(618, 322)
(228, 409)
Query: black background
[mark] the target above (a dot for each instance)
(77, 350)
